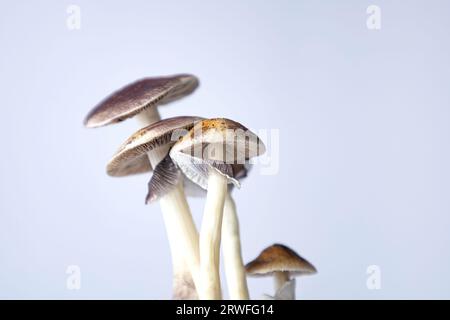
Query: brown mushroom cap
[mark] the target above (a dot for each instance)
(219, 132)
(137, 96)
(131, 158)
(279, 258)
(218, 143)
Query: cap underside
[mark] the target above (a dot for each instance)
(137, 96)
(279, 258)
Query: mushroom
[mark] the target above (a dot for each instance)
(206, 155)
(183, 236)
(281, 262)
(141, 99)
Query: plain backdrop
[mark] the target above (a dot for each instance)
(363, 119)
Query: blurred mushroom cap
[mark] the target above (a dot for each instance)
(279, 258)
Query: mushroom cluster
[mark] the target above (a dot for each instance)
(192, 156)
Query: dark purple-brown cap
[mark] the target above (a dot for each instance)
(279, 258)
(131, 158)
(137, 96)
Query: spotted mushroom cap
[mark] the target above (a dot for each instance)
(137, 96)
(222, 144)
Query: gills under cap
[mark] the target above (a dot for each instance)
(279, 258)
(137, 96)
(131, 158)
(166, 176)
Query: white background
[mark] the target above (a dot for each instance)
(364, 140)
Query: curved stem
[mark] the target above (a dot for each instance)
(232, 254)
(210, 235)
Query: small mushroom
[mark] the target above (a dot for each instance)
(181, 230)
(281, 262)
(206, 156)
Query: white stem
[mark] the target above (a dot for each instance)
(210, 234)
(174, 205)
(148, 116)
(280, 277)
(180, 227)
(183, 286)
(232, 254)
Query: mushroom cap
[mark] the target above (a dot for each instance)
(131, 158)
(279, 258)
(139, 95)
(219, 144)
(206, 140)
